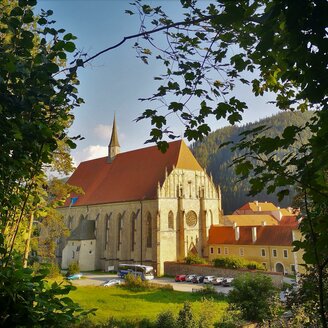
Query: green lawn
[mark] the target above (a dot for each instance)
(121, 303)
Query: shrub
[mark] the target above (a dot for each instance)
(166, 320)
(54, 270)
(27, 300)
(135, 283)
(73, 268)
(194, 259)
(253, 295)
(126, 323)
(186, 317)
(235, 262)
(208, 290)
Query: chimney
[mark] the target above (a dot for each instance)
(254, 234)
(237, 233)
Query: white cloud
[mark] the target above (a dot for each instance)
(90, 152)
(103, 131)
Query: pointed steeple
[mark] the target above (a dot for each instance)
(114, 145)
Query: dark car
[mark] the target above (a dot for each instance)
(180, 277)
(198, 279)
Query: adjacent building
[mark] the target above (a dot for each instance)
(259, 232)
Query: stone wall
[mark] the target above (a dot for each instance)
(174, 268)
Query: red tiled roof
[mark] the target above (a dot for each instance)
(256, 206)
(290, 220)
(266, 235)
(132, 175)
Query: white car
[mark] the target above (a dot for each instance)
(112, 282)
(227, 282)
(217, 281)
(208, 279)
(190, 277)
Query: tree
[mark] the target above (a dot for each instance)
(277, 46)
(50, 226)
(35, 107)
(35, 112)
(186, 317)
(253, 295)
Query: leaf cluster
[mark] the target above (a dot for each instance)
(27, 300)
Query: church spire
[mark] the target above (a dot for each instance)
(114, 145)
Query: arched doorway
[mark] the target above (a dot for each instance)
(280, 268)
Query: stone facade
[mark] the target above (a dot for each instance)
(149, 231)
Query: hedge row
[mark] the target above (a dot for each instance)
(235, 262)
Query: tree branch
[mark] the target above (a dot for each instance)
(146, 33)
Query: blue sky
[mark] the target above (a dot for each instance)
(113, 82)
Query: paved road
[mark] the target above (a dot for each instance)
(99, 279)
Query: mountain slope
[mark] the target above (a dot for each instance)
(217, 161)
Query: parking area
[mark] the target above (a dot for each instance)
(90, 279)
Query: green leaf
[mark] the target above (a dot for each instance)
(69, 46)
(69, 36)
(17, 11)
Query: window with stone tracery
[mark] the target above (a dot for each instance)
(170, 220)
(149, 231)
(119, 232)
(133, 230)
(107, 221)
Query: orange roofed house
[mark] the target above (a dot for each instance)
(140, 206)
(261, 232)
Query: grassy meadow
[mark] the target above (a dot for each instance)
(121, 303)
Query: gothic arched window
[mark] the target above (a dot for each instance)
(107, 222)
(119, 232)
(149, 231)
(133, 230)
(170, 220)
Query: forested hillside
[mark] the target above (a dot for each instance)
(218, 161)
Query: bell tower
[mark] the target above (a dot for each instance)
(114, 146)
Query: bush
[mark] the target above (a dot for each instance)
(208, 290)
(127, 323)
(253, 295)
(27, 300)
(235, 262)
(194, 259)
(186, 317)
(135, 283)
(73, 268)
(166, 320)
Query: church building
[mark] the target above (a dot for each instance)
(140, 206)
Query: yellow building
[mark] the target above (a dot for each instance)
(140, 206)
(269, 245)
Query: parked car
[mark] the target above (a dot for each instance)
(74, 276)
(227, 282)
(180, 277)
(112, 282)
(217, 281)
(208, 279)
(190, 277)
(198, 279)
